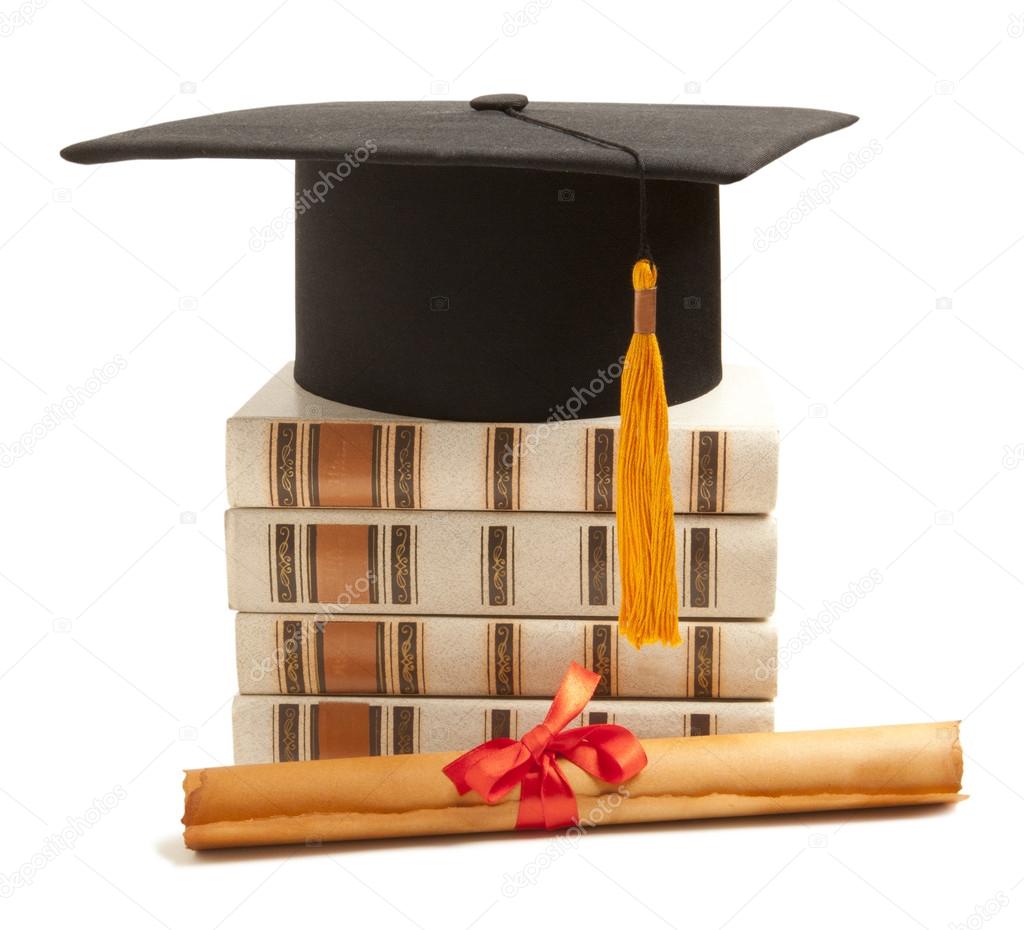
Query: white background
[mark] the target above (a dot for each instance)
(887, 322)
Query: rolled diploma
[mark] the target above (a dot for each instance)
(685, 779)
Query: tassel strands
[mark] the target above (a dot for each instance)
(646, 525)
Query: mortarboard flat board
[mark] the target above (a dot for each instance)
(454, 263)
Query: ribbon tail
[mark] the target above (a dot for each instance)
(546, 799)
(530, 815)
(558, 799)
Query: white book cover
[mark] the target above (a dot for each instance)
(471, 563)
(289, 448)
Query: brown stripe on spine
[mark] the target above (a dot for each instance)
(487, 470)
(343, 564)
(401, 564)
(311, 556)
(287, 732)
(706, 473)
(374, 742)
(383, 633)
(385, 459)
(601, 657)
(597, 565)
(588, 485)
(284, 563)
(603, 469)
(352, 653)
(519, 467)
(700, 724)
(703, 661)
(291, 656)
(286, 452)
(498, 563)
(321, 678)
(404, 467)
(504, 658)
(597, 716)
(403, 737)
(343, 463)
(314, 730)
(343, 730)
(408, 658)
(375, 467)
(725, 469)
(502, 463)
(313, 465)
(271, 456)
(700, 567)
(512, 563)
(301, 553)
(716, 568)
(372, 564)
(501, 724)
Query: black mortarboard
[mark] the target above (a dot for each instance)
(454, 263)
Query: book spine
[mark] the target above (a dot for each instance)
(482, 656)
(269, 729)
(561, 467)
(357, 561)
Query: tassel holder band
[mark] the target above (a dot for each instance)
(645, 310)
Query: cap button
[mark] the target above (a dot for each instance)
(499, 102)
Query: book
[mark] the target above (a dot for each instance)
(500, 657)
(466, 563)
(272, 729)
(289, 448)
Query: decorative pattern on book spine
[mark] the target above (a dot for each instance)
(700, 560)
(707, 471)
(316, 656)
(498, 566)
(343, 564)
(343, 730)
(597, 566)
(502, 472)
(345, 465)
(600, 448)
(504, 671)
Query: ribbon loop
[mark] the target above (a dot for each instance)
(546, 799)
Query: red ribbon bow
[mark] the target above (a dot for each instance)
(546, 801)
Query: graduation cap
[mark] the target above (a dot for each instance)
(471, 261)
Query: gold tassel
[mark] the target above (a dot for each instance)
(647, 538)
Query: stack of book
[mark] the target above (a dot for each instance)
(409, 585)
